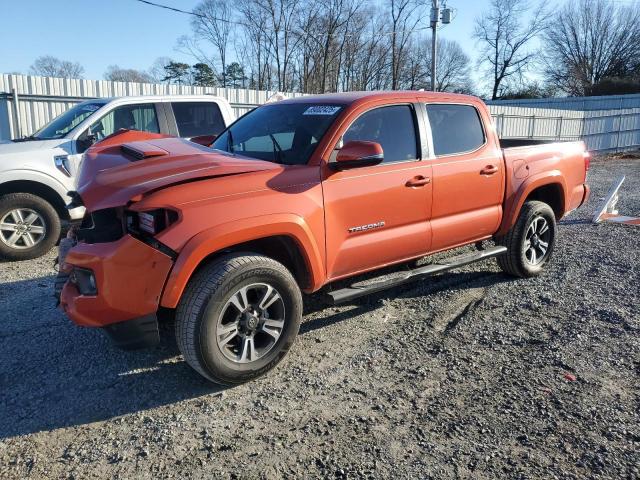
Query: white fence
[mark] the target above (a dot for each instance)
(602, 130)
(604, 123)
(40, 99)
(605, 102)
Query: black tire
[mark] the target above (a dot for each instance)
(517, 260)
(205, 302)
(48, 218)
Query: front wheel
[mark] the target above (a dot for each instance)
(29, 226)
(530, 242)
(238, 318)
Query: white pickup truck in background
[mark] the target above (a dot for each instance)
(37, 171)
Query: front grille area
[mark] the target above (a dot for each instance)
(101, 226)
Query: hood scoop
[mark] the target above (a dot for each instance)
(142, 150)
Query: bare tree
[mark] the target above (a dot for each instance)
(592, 40)
(505, 39)
(157, 70)
(49, 66)
(327, 45)
(255, 39)
(117, 74)
(212, 24)
(453, 74)
(404, 19)
(282, 16)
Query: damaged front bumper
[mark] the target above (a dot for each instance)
(116, 286)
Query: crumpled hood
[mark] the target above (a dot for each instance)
(122, 172)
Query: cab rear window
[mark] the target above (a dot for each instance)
(198, 118)
(455, 128)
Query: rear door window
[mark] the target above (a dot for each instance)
(393, 127)
(455, 128)
(198, 118)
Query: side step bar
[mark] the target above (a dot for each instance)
(354, 291)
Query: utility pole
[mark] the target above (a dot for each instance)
(435, 16)
(435, 19)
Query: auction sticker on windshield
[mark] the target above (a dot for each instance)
(92, 107)
(321, 110)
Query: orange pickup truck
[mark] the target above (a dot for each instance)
(291, 197)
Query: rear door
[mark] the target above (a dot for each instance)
(468, 175)
(379, 214)
(196, 118)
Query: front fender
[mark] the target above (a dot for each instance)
(37, 177)
(233, 233)
(514, 202)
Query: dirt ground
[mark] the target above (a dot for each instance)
(471, 374)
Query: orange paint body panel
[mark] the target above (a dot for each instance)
(341, 221)
(129, 275)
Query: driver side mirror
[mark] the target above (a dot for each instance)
(358, 153)
(204, 140)
(85, 140)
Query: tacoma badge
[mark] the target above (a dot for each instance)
(363, 228)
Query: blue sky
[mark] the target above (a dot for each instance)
(128, 33)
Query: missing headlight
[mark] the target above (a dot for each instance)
(84, 280)
(150, 222)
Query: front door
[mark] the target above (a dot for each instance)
(378, 215)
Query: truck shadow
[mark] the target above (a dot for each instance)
(55, 375)
(448, 281)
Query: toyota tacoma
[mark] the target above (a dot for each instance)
(292, 197)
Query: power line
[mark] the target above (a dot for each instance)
(186, 12)
(243, 24)
(167, 7)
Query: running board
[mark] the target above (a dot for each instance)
(354, 291)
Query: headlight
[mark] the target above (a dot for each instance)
(150, 222)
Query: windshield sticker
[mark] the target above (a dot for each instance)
(321, 110)
(91, 107)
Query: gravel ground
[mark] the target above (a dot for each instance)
(469, 375)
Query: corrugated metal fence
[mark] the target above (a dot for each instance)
(602, 130)
(606, 102)
(604, 123)
(40, 99)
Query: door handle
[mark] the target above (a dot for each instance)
(489, 170)
(418, 181)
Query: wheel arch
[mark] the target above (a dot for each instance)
(36, 188)
(549, 188)
(285, 238)
(552, 194)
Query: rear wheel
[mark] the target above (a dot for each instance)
(238, 318)
(29, 226)
(530, 242)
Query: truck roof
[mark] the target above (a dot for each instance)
(158, 98)
(347, 98)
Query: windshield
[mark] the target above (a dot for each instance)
(63, 124)
(283, 133)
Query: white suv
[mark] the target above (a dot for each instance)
(37, 171)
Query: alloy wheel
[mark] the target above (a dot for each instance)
(537, 239)
(22, 228)
(250, 323)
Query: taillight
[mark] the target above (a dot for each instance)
(587, 160)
